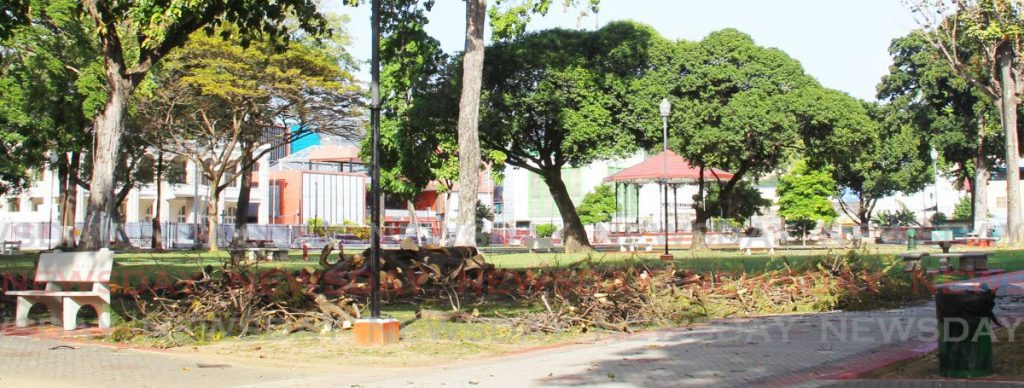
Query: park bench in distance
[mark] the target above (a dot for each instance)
(12, 247)
(62, 270)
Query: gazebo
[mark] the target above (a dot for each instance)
(664, 168)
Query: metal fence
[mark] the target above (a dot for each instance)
(44, 235)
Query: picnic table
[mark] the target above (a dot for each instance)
(912, 260)
(258, 254)
(967, 261)
(972, 264)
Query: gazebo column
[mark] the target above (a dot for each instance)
(616, 214)
(675, 207)
(638, 229)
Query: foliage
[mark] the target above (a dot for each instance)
(963, 210)
(135, 36)
(901, 218)
(316, 227)
(510, 21)
(220, 98)
(417, 142)
(804, 197)
(50, 84)
(924, 93)
(546, 230)
(747, 109)
(483, 212)
(744, 202)
(597, 206)
(938, 218)
(559, 98)
(15, 13)
(895, 160)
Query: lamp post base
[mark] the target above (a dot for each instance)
(667, 257)
(376, 332)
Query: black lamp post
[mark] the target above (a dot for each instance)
(53, 190)
(375, 330)
(375, 167)
(665, 109)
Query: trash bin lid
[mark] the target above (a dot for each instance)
(965, 287)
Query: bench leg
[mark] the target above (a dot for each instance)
(71, 308)
(103, 314)
(21, 314)
(55, 312)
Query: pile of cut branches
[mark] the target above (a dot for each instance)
(636, 297)
(238, 301)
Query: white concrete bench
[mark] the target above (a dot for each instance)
(61, 270)
(632, 243)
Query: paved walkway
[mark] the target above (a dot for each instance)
(806, 350)
(765, 351)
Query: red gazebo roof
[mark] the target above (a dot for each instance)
(654, 170)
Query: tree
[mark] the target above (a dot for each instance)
(469, 120)
(748, 109)
(412, 63)
(230, 103)
(133, 37)
(895, 161)
(417, 133)
(804, 197)
(559, 98)
(597, 206)
(993, 26)
(963, 210)
(926, 94)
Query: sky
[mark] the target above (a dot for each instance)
(842, 43)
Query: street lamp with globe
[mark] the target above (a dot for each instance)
(665, 108)
(935, 171)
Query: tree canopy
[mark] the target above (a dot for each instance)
(804, 197)
(748, 109)
(561, 98)
(597, 206)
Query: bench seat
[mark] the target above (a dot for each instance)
(57, 293)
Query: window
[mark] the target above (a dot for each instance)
(36, 203)
(229, 214)
(181, 214)
(13, 205)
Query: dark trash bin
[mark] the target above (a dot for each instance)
(965, 319)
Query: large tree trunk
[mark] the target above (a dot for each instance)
(158, 235)
(1014, 233)
(699, 242)
(979, 191)
(109, 125)
(121, 240)
(864, 216)
(469, 113)
(574, 235)
(211, 216)
(444, 221)
(69, 200)
(241, 234)
(415, 222)
(700, 219)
